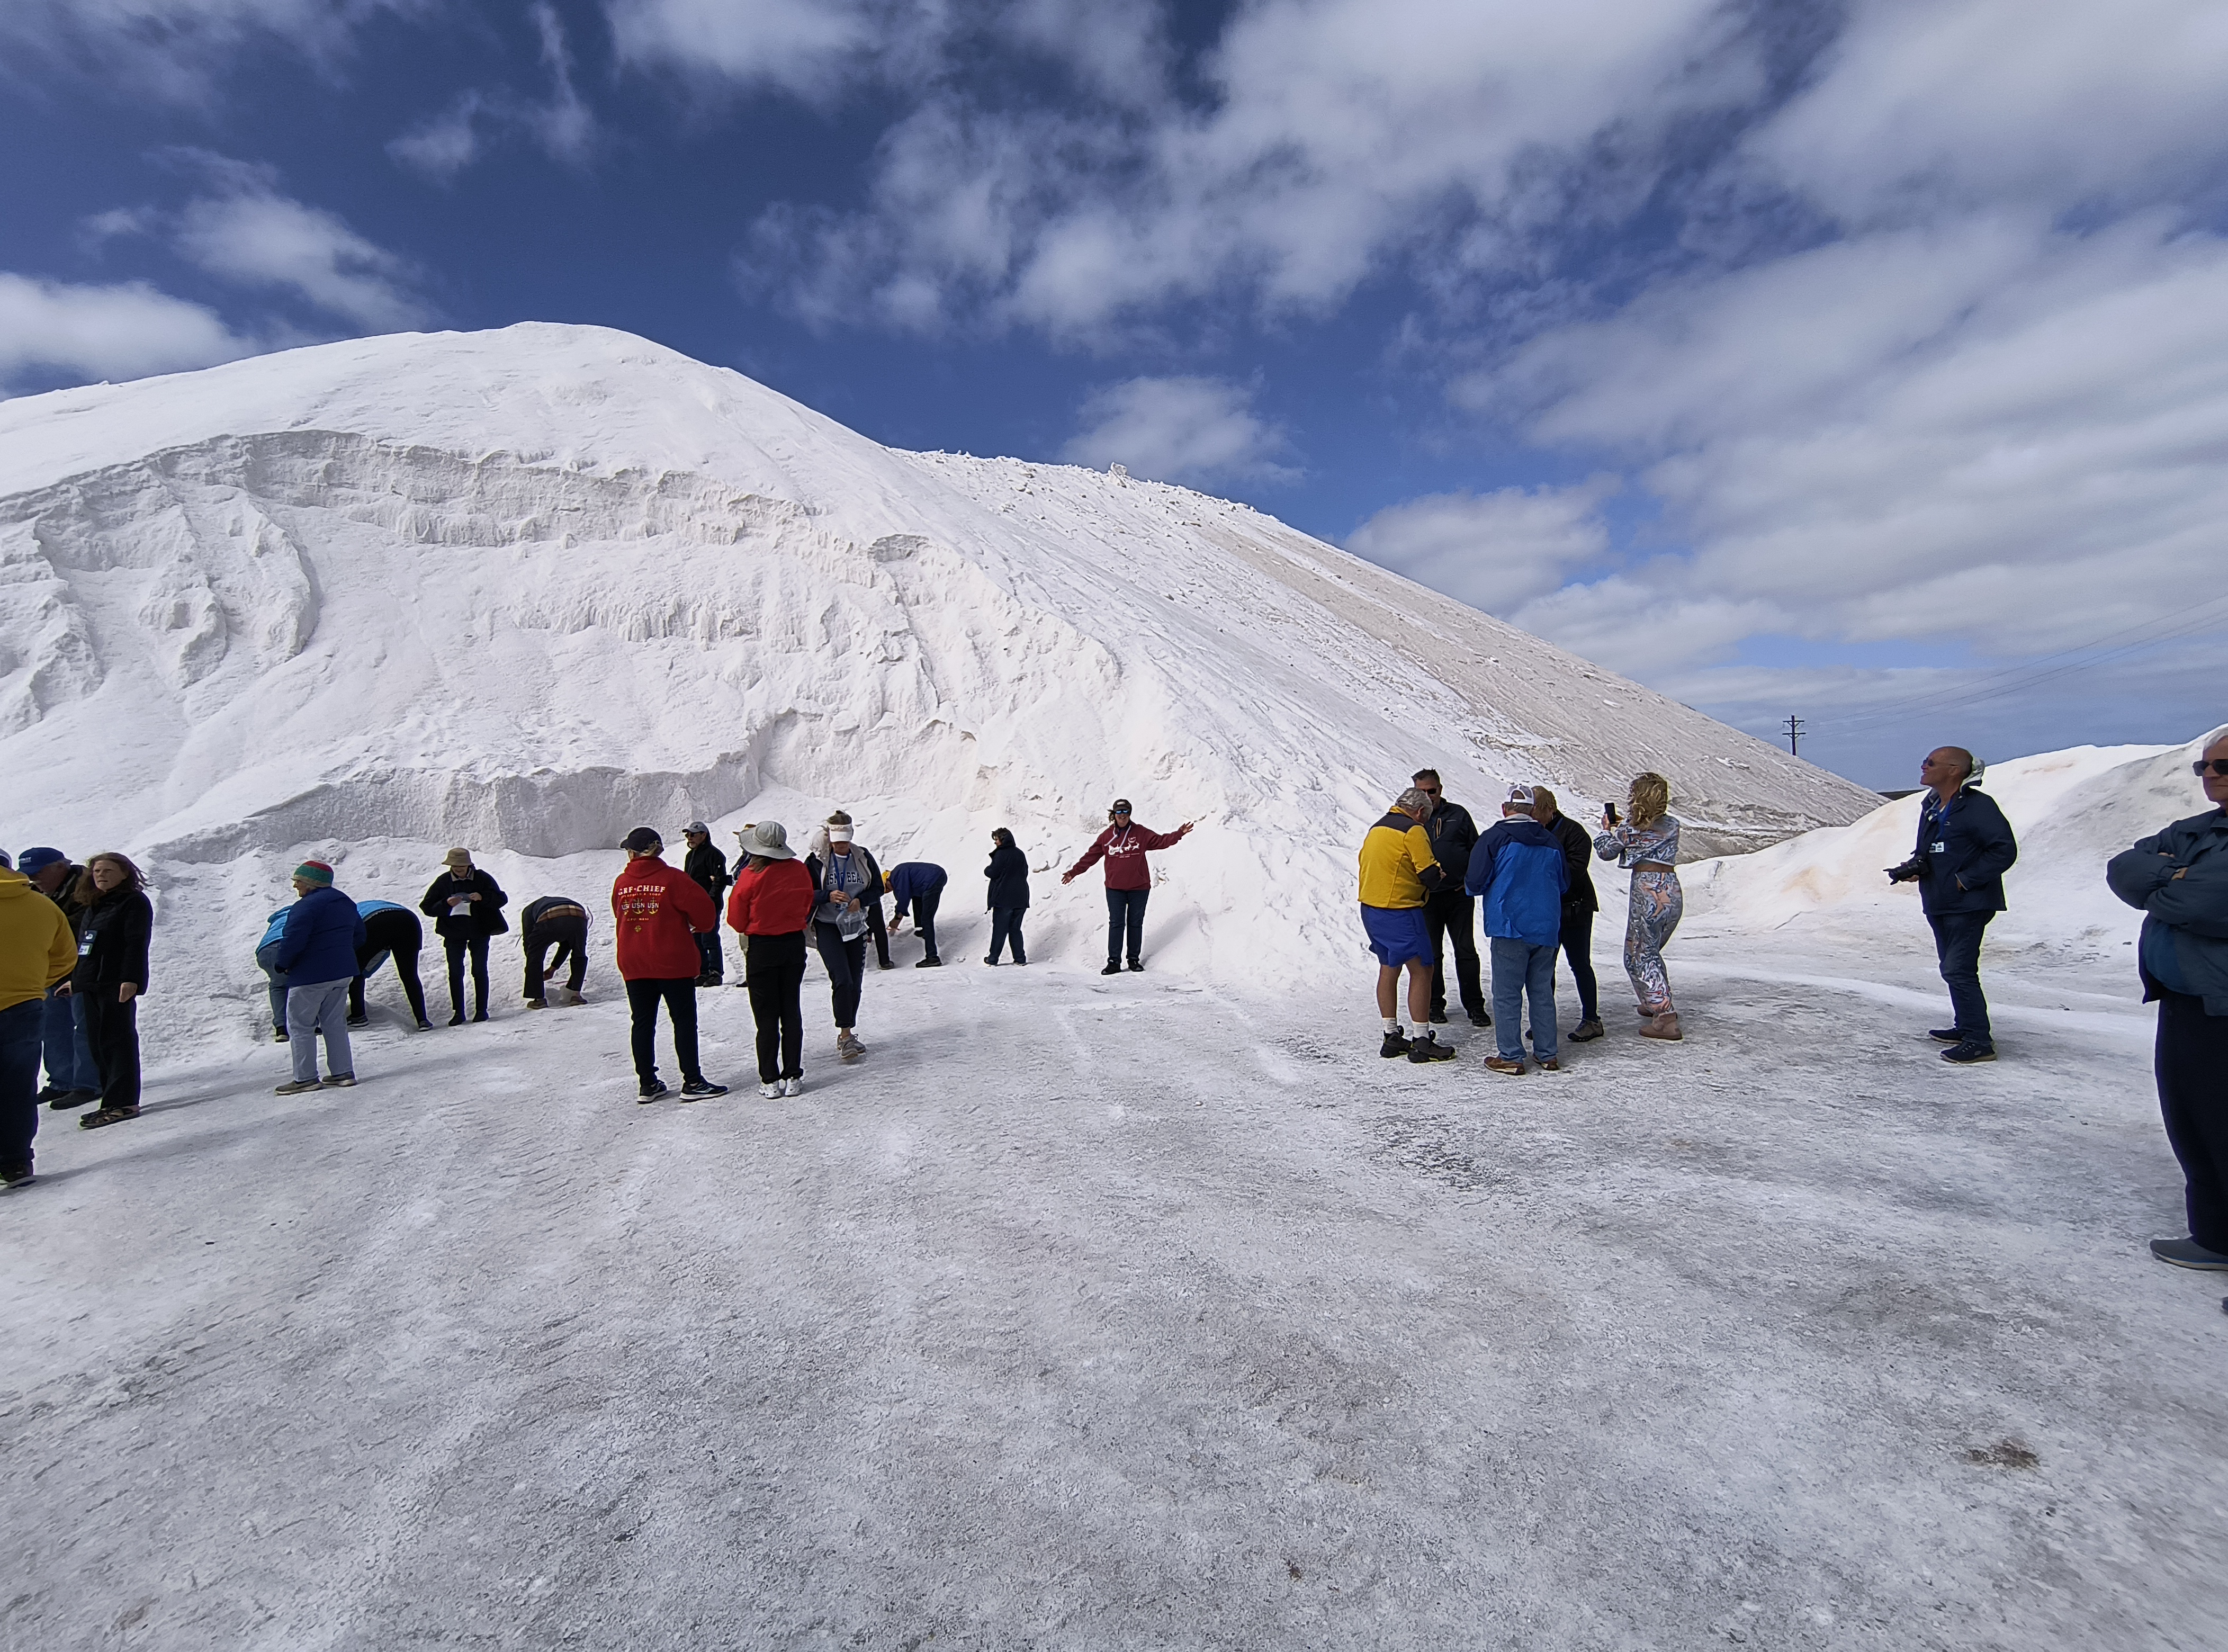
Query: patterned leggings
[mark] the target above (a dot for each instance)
(1657, 903)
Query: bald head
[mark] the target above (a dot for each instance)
(1946, 768)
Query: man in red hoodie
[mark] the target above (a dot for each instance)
(1129, 880)
(661, 911)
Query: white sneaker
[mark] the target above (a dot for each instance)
(773, 1091)
(792, 1087)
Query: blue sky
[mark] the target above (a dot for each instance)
(1867, 362)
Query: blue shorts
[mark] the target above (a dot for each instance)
(1398, 935)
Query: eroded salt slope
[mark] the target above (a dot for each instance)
(525, 589)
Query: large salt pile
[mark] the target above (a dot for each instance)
(523, 590)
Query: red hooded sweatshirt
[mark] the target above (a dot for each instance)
(1124, 848)
(776, 900)
(661, 911)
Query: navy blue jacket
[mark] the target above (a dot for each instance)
(1520, 868)
(914, 878)
(1008, 873)
(2188, 914)
(1964, 849)
(324, 934)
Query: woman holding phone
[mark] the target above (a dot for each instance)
(1648, 842)
(111, 974)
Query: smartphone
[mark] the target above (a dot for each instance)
(1610, 811)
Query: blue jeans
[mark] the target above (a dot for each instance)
(1521, 970)
(1957, 944)
(23, 1031)
(312, 1008)
(1006, 925)
(1125, 909)
(68, 1057)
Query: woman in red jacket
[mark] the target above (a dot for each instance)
(661, 911)
(770, 907)
(1129, 880)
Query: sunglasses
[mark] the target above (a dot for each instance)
(2218, 765)
(1117, 811)
(1428, 791)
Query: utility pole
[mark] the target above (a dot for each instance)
(1793, 736)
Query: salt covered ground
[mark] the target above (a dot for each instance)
(1091, 1313)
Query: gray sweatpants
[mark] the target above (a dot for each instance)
(318, 1007)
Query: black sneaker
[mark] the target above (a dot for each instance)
(1395, 1046)
(48, 1093)
(456, 1019)
(649, 1090)
(697, 1087)
(70, 1098)
(1480, 1020)
(1438, 1018)
(1945, 1035)
(16, 1175)
(280, 1035)
(2188, 1253)
(1112, 967)
(1138, 964)
(1969, 1052)
(993, 963)
(1428, 1048)
(930, 963)
(359, 1021)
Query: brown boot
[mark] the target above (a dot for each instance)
(1665, 1025)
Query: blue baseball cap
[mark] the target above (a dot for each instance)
(34, 861)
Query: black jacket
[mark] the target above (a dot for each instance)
(1453, 836)
(555, 909)
(1008, 873)
(1579, 850)
(389, 930)
(483, 917)
(112, 942)
(1963, 852)
(708, 867)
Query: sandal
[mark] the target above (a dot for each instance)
(107, 1116)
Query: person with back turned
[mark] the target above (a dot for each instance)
(771, 908)
(389, 931)
(661, 911)
(38, 950)
(1965, 846)
(1520, 871)
(1579, 906)
(72, 1078)
(2179, 877)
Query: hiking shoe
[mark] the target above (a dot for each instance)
(1395, 1046)
(297, 1087)
(567, 996)
(2188, 1253)
(1138, 964)
(1665, 1026)
(108, 1116)
(1549, 1064)
(930, 963)
(1112, 967)
(648, 1090)
(280, 1035)
(1586, 1031)
(849, 1048)
(1970, 1052)
(537, 1003)
(71, 1098)
(1945, 1035)
(1515, 1067)
(701, 1086)
(16, 1175)
(1428, 1048)
(774, 1091)
(341, 1081)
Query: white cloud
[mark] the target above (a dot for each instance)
(805, 47)
(445, 144)
(174, 50)
(1179, 429)
(122, 331)
(1494, 551)
(561, 124)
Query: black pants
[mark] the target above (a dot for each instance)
(878, 932)
(775, 967)
(712, 960)
(847, 970)
(1452, 919)
(113, 1031)
(457, 945)
(1125, 909)
(1958, 943)
(2191, 1064)
(570, 936)
(406, 966)
(680, 999)
(1577, 944)
(1006, 925)
(923, 919)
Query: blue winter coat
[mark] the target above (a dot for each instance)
(1520, 868)
(2186, 915)
(914, 878)
(1963, 852)
(323, 931)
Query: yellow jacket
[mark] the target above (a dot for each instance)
(1397, 867)
(36, 947)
